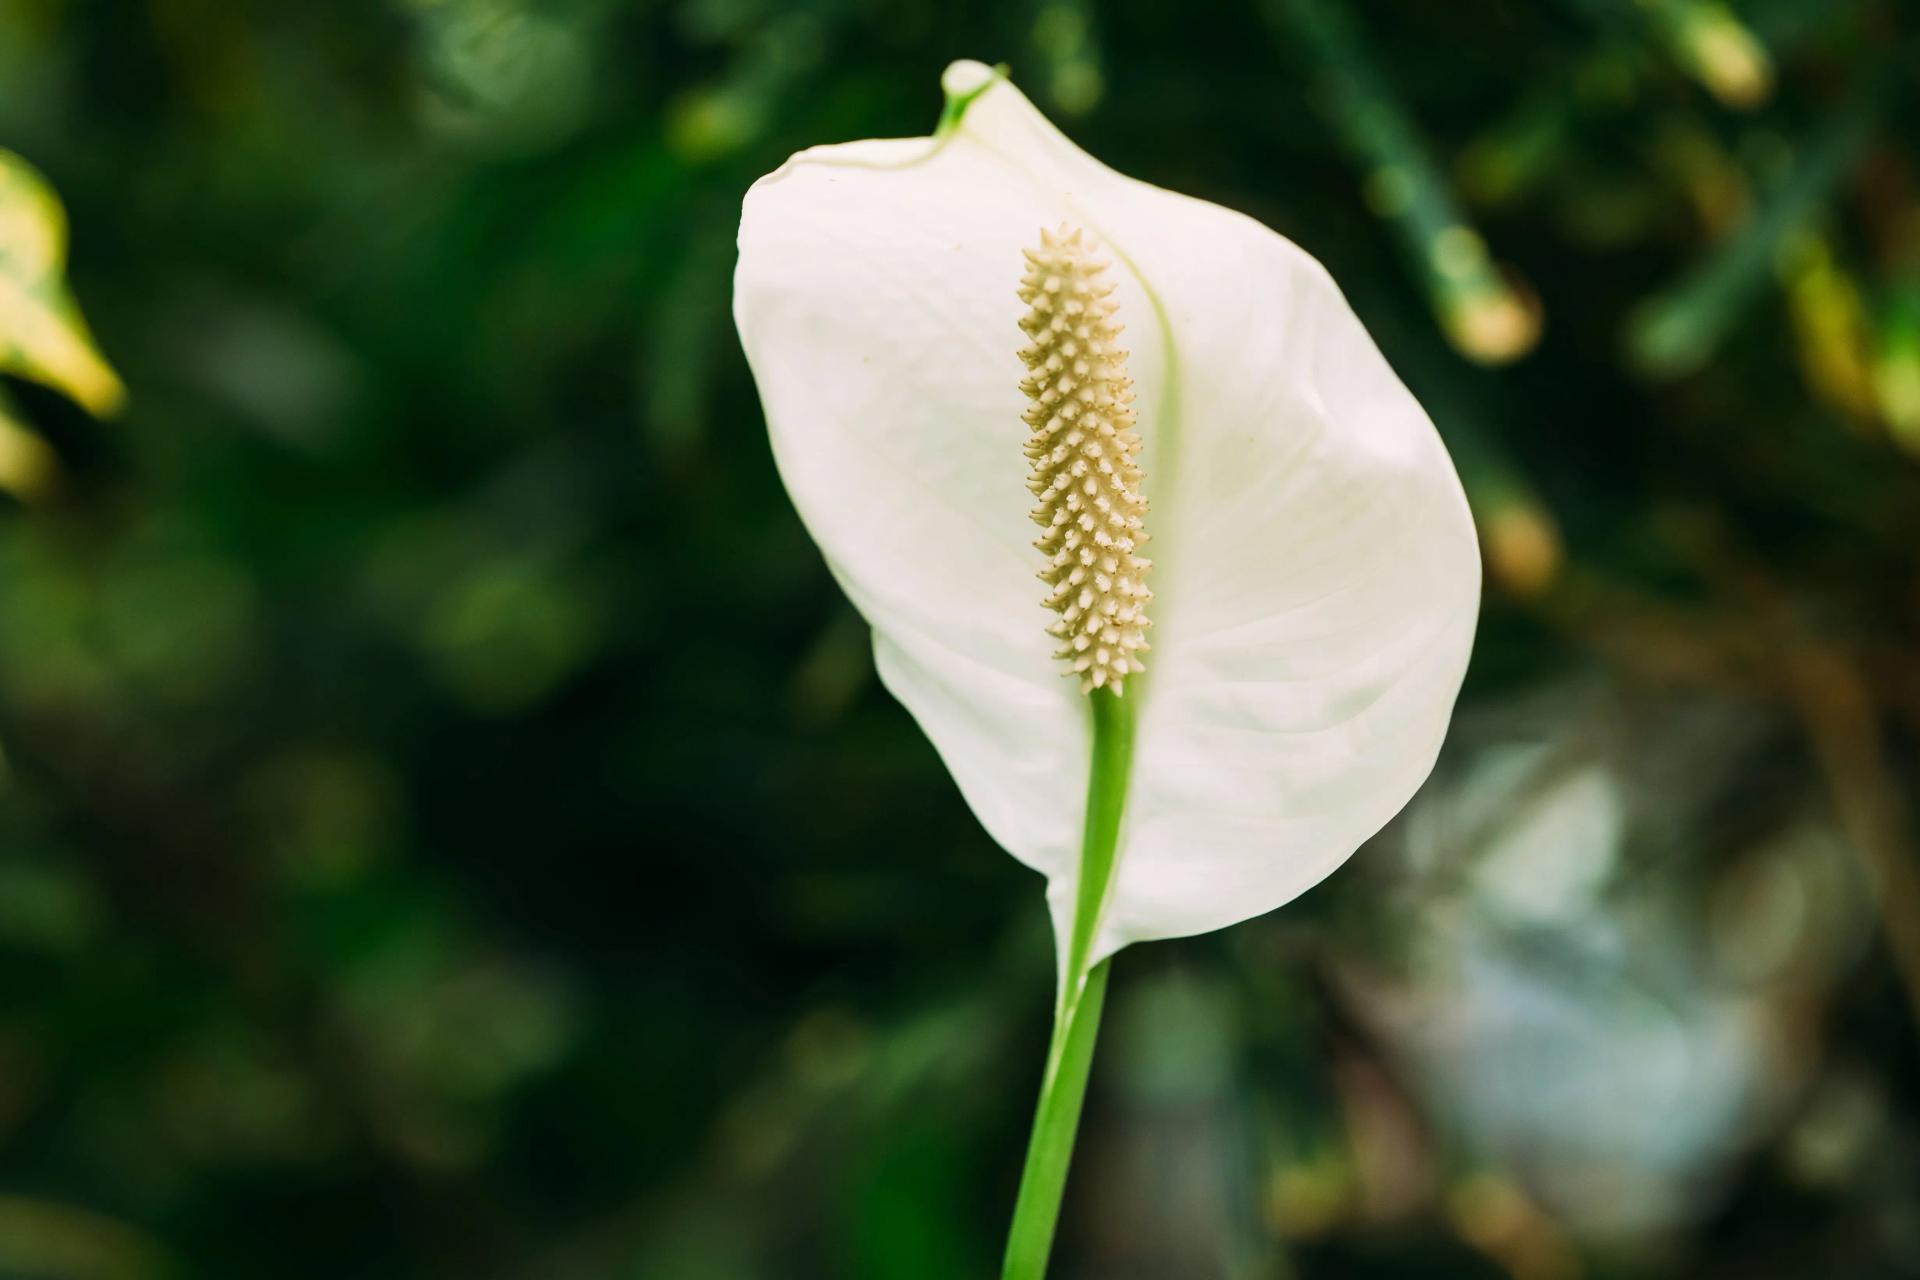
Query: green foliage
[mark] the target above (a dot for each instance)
(449, 824)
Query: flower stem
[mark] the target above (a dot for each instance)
(1056, 1120)
(1083, 990)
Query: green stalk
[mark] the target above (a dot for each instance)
(1055, 1122)
(1076, 1019)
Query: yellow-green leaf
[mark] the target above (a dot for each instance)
(42, 336)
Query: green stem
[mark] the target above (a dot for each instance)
(1083, 991)
(1055, 1122)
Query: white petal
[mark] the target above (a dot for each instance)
(875, 297)
(1318, 581)
(1316, 575)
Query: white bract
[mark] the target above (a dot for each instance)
(1315, 577)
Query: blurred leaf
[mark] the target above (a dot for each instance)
(1896, 370)
(47, 907)
(1063, 35)
(1831, 327)
(43, 1240)
(41, 333)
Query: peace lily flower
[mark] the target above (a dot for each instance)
(935, 326)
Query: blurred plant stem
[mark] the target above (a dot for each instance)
(1678, 331)
(1843, 726)
(1708, 40)
(1083, 991)
(1486, 318)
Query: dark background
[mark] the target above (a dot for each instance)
(449, 825)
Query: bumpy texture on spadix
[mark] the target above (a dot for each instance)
(1084, 472)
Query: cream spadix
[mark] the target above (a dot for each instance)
(1084, 472)
(1315, 577)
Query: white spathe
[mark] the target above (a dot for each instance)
(1316, 576)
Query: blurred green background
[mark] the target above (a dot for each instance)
(449, 825)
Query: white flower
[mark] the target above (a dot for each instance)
(1315, 577)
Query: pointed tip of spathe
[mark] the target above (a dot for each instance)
(967, 77)
(962, 82)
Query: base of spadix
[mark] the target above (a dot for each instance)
(1107, 777)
